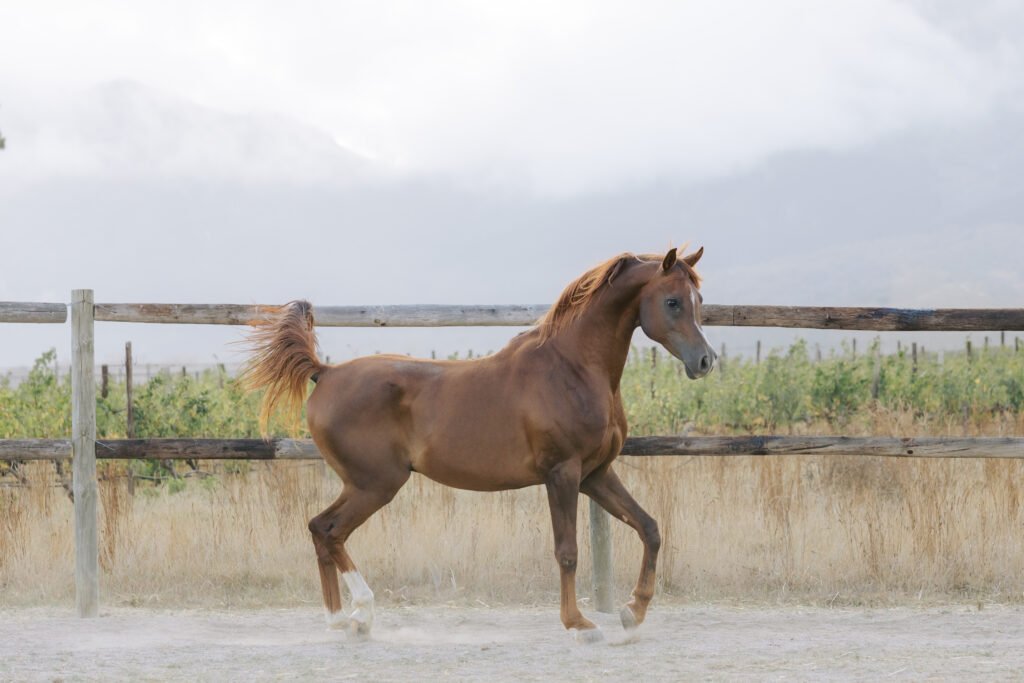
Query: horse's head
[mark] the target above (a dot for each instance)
(670, 313)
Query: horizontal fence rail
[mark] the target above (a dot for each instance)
(523, 315)
(304, 449)
(860, 318)
(32, 312)
(328, 316)
(806, 317)
(912, 447)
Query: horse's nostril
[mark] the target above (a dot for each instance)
(705, 363)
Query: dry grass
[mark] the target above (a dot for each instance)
(812, 529)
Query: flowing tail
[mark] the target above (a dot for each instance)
(284, 360)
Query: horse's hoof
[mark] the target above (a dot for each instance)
(360, 622)
(337, 622)
(628, 619)
(587, 635)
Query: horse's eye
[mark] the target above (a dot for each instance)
(672, 303)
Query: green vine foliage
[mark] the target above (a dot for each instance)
(786, 390)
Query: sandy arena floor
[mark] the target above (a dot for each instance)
(429, 643)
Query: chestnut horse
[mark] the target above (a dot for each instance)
(546, 409)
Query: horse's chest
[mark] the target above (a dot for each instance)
(614, 435)
(582, 424)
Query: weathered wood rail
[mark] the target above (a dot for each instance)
(85, 448)
(328, 316)
(304, 449)
(28, 312)
(807, 317)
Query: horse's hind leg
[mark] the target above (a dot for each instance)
(336, 618)
(605, 487)
(330, 529)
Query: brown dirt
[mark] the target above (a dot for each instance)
(428, 643)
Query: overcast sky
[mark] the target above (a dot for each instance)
(864, 153)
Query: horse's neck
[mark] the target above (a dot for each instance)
(600, 338)
(608, 344)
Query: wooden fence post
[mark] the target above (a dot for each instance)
(129, 428)
(601, 551)
(876, 372)
(83, 450)
(654, 369)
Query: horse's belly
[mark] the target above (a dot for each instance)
(460, 480)
(475, 471)
(470, 439)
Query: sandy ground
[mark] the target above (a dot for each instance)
(429, 643)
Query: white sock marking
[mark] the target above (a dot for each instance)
(361, 593)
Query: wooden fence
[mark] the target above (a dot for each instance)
(83, 448)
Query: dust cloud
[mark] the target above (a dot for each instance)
(420, 643)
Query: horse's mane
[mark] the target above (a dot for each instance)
(579, 294)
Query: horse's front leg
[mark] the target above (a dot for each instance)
(605, 487)
(563, 485)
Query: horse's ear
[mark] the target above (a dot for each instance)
(669, 261)
(692, 259)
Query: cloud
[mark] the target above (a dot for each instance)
(687, 91)
(557, 98)
(125, 130)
